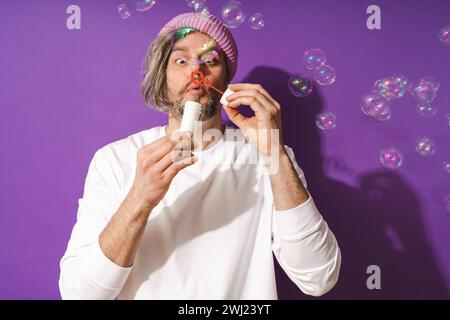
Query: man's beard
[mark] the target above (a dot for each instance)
(208, 110)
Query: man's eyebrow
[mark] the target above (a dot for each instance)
(213, 51)
(179, 49)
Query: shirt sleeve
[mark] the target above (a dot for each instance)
(304, 245)
(85, 271)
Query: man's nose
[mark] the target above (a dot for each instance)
(195, 64)
(198, 66)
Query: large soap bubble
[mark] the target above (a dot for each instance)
(375, 106)
(300, 86)
(256, 21)
(232, 14)
(390, 158)
(314, 58)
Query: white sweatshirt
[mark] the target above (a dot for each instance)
(211, 236)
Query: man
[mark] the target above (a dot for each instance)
(160, 220)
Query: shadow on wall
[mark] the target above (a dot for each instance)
(379, 223)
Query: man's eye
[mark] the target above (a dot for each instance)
(180, 61)
(210, 62)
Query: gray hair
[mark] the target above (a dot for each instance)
(154, 83)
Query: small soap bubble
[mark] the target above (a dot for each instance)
(314, 58)
(447, 202)
(326, 121)
(402, 81)
(432, 82)
(423, 93)
(375, 106)
(256, 21)
(425, 147)
(143, 5)
(390, 158)
(232, 14)
(446, 166)
(425, 89)
(199, 6)
(300, 86)
(123, 10)
(391, 87)
(444, 35)
(426, 110)
(325, 75)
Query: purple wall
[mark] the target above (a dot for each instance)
(64, 94)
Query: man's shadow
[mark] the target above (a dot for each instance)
(377, 223)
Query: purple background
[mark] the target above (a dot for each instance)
(66, 93)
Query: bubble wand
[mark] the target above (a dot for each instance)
(198, 78)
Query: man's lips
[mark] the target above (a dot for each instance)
(197, 90)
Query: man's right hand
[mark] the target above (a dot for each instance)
(157, 164)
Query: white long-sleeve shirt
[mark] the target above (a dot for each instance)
(211, 236)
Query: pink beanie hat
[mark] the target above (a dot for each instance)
(213, 27)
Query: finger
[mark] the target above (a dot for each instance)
(175, 154)
(182, 149)
(178, 135)
(176, 167)
(240, 86)
(235, 116)
(253, 103)
(261, 89)
(252, 93)
(158, 151)
(156, 144)
(187, 144)
(251, 86)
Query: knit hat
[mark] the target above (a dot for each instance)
(213, 27)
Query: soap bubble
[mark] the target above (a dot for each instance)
(425, 89)
(256, 21)
(423, 93)
(390, 158)
(143, 5)
(314, 58)
(402, 81)
(426, 110)
(326, 121)
(425, 147)
(199, 6)
(300, 86)
(123, 10)
(444, 35)
(325, 75)
(432, 82)
(232, 14)
(388, 88)
(447, 202)
(204, 11)
(391, 87)
(376, 107)
(446, 166)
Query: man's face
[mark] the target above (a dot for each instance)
(196, 51)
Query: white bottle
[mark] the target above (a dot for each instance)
(191, 114)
